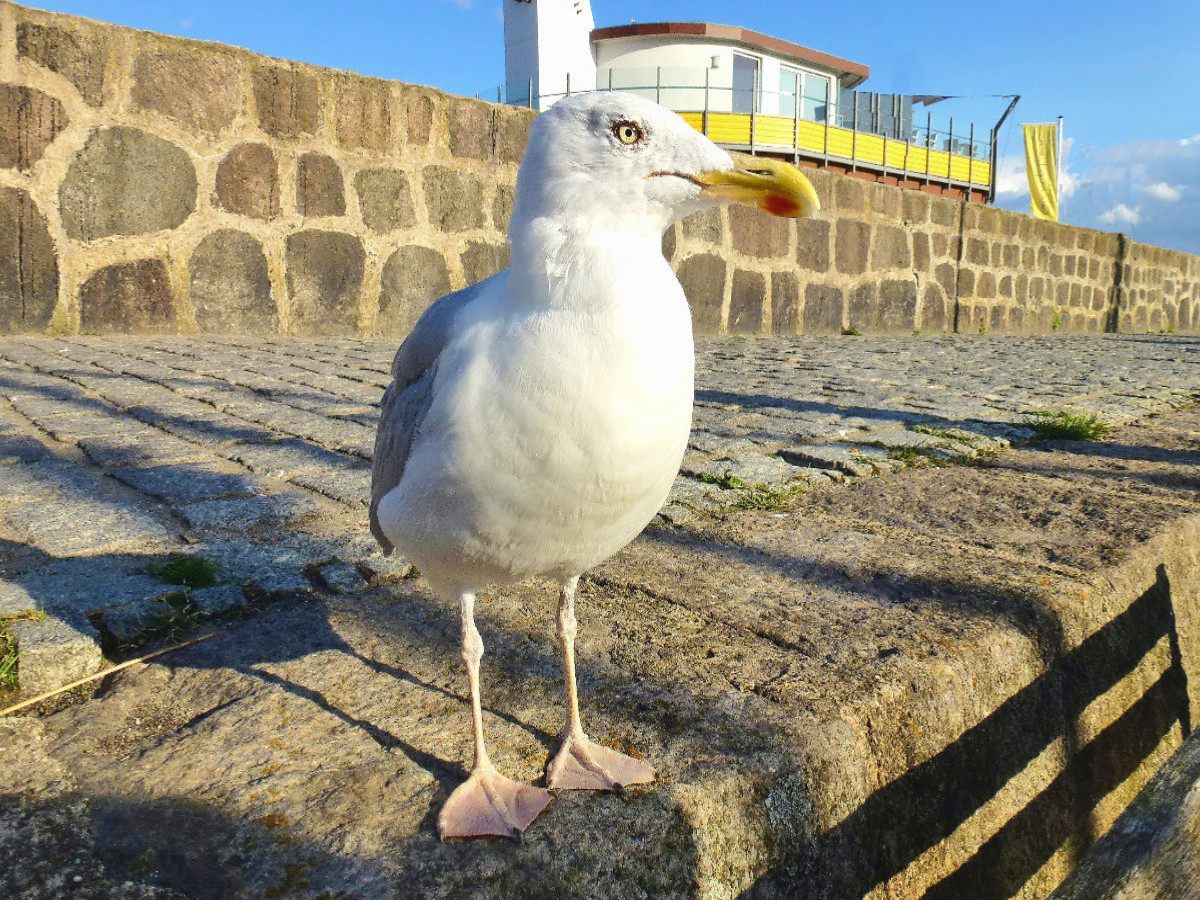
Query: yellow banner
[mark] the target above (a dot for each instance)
(1041, 165)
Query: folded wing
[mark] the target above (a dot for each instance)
(407, 399)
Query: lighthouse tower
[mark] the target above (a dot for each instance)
(544, 41)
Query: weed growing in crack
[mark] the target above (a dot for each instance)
(726, 481)
(8, 660)
(9, 652)
(914, 458)
(177, 618)
(189, 571)
(1061, 425)
(765, 497)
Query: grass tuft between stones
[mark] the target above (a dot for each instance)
(726, 481)
(189, 571)
(8, 660)
(177, 618)
(765, 497)
(9, 652)
(1062, 425)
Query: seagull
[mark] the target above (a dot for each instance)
(536, 420)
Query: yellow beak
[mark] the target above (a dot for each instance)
(774, 186)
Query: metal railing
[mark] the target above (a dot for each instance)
(856, 133)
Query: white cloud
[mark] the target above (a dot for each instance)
(186, 23)
(1121, 215)
(1160, 190)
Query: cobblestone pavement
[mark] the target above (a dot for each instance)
(254, 453)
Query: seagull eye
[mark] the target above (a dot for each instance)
(628, 132)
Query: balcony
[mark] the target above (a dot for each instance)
(869, 136)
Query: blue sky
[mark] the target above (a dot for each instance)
(1123, 76)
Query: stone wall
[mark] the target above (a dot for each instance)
(885, 260)
(155, 184)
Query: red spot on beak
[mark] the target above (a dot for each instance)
(780, 205)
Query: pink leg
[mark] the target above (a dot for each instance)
(579, 763)
(487, 803)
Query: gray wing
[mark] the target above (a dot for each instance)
(408, 397)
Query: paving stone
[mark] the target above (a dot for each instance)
(241, 513)
(363, 550)
(201, 424)
(15, 600)
(85, 527)
(857, 461)
(15, 448)
(54, 651)
(133, 446)
(342, 578)
(128, 621)
(45, 478)
(351, 486)
(271, 568)
(215, 601)
(87, 585)
(186, 483)
(751, 469)
(287, 458)
(386, 568)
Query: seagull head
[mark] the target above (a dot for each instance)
(621, 161)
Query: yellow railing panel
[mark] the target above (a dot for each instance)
(916, 159)
(840, 142)
(774, 130)
(812, 136)
(871, 149)
(729, 128)
(939, 163)
(960, 168)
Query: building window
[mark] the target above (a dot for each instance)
(745, 80)
(803, 93)
(789, 91)
(814, 104)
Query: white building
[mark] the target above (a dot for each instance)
(746, 91)
(550, 45)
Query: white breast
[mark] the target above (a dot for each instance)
(554, 437)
